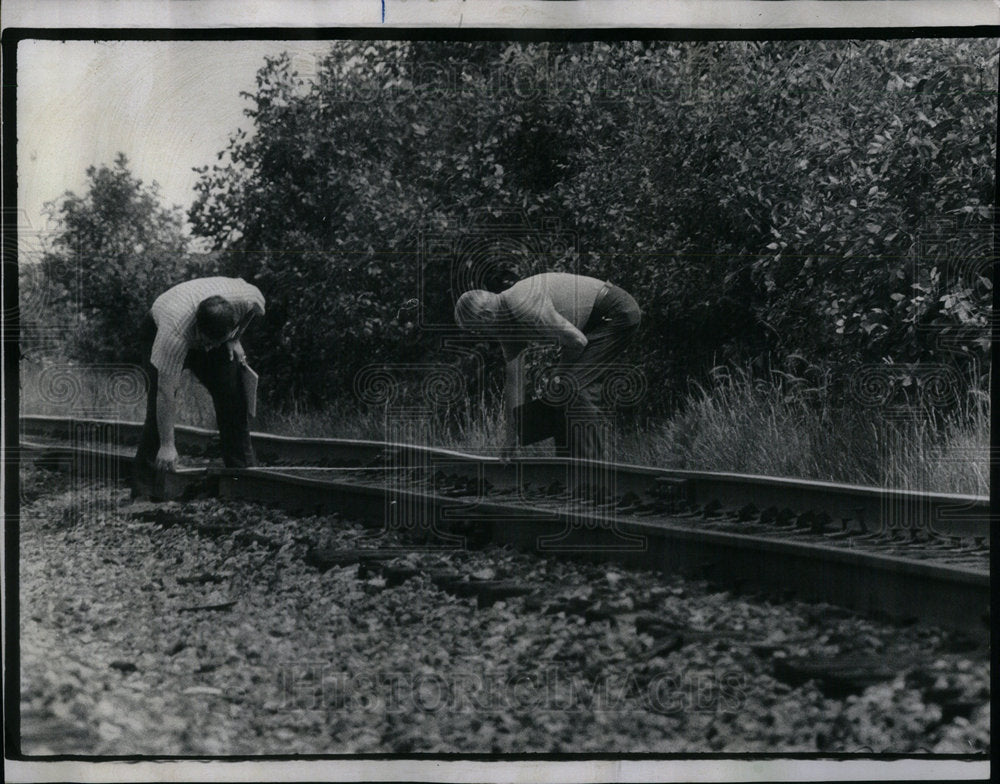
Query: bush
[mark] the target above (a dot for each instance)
(115, 250)
(826, 199)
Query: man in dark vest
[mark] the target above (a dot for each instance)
(197, 326)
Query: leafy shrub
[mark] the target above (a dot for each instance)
(829, 199)
(116, 248)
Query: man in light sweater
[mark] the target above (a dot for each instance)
(196, 325)
(591, 319)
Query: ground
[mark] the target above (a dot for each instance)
(207, 633)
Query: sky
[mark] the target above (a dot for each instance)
(168, 105)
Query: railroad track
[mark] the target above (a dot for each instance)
(904, 555)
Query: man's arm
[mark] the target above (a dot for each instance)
(167, 387)
(513, 396)
(533, 308)
(255, 310)
(553, 325)
(234, 345)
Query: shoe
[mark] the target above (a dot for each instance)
(148, 487)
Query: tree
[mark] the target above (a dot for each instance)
(116, 248)
(761, 200)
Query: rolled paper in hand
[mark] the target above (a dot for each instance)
(249, 387)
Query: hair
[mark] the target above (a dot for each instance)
(215, 318)
(472, 306)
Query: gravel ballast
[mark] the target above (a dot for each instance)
(211, 628)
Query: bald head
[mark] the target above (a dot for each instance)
(477, 309)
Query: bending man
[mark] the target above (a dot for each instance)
(197, 325)
(592, 320)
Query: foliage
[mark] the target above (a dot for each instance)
(777, 425)
(828, 200)
(780, 424)
(115, 250)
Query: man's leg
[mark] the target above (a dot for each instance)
(585, 419)
(611, 327)
(220, 375)
(149, 441)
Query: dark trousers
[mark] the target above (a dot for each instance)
(571, 413)
(220, 375)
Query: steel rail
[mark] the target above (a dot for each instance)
(874, 508)
(899, 588)
(871, 583)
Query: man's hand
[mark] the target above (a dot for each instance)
(236, 350)
(509, 447)
(573, 349)
(166, 458)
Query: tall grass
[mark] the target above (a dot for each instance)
(778, 426)
(783, 427)
(84, 392)
(952, 456)
(338, 420)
